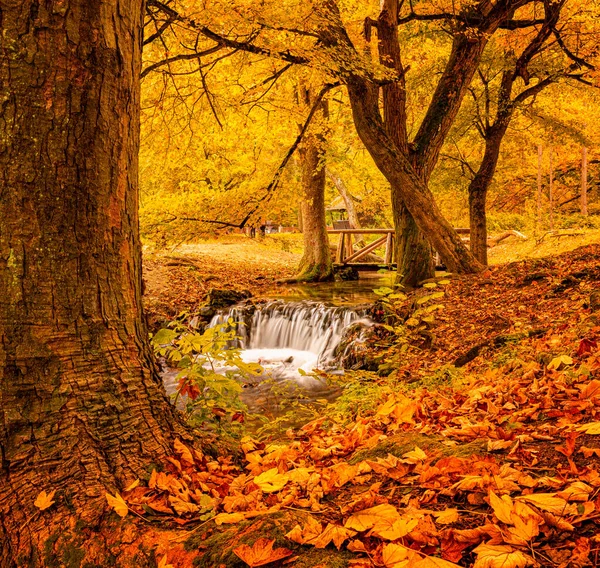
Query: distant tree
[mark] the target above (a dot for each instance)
(83, 410)
(545, 59)
(316, 264)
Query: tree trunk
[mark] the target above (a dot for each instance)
(478, 190)
(316, 264)
(398, 170)
(83, 409)
(413, 252)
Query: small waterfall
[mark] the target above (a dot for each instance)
(280, 326)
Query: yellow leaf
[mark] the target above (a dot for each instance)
(397, 556)
(333, 533)
(163, 563)
(502, 506)
(547, 502)
(44, 500)
(271, 480)
(557, 362)
(184, 452)
(368, 518)
(446, 517)
(415, 455)
(399, 528)
(182, 507)
(132, 486)
(261, 553)
(523, 531)
(118, 504)
(311, 530)
(229, 518)
(577, 491)
(589, 428)
(495, 445)
(433, 562)
(500, 556)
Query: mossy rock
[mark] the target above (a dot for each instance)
(399, 444)
(218, 543)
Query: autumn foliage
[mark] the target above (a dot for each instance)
(500, 470)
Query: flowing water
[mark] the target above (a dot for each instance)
(293, 334)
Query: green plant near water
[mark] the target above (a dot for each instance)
(210, 375)
(411, 320)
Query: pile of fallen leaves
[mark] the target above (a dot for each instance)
(500, 471)
(510, 504)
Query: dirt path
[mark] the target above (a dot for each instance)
(179, 279)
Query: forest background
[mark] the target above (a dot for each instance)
(217, 120)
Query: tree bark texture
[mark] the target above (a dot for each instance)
(82, 409)
(316, 264)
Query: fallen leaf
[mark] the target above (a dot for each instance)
(184, 452)
(261, 553)
(132, 486)
(182, 507)
(397, 556)
(446, 517)
(561, 360)
(118, 504)
(433, 562)
(368, 518)
(500, 556)
(271, 480)
(415, 455)
(229, 518)
(589, 428)
(163, 563)
(331, 533)
(44, 500)
(547, 502)
(589, 452)
(502, 506)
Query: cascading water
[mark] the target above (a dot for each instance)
(288, 338)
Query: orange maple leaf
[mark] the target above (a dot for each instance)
(261, 553)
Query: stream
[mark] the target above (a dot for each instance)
(294, 331)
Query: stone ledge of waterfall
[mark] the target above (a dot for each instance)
(220, 298)
(353, 351)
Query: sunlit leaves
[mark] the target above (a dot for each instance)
(44, 500)
(271, 480)
(117, 503)
(500, 556)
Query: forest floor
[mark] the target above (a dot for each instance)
(179, 279)
(481, 447)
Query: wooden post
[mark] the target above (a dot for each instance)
(539, 189)
(340, 250)
(349, 244)
(584, 203)
(389, 248)
(550, 190)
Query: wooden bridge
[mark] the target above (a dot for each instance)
(347, 256)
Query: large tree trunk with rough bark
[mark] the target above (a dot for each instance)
(82, 408)
(316, 264)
